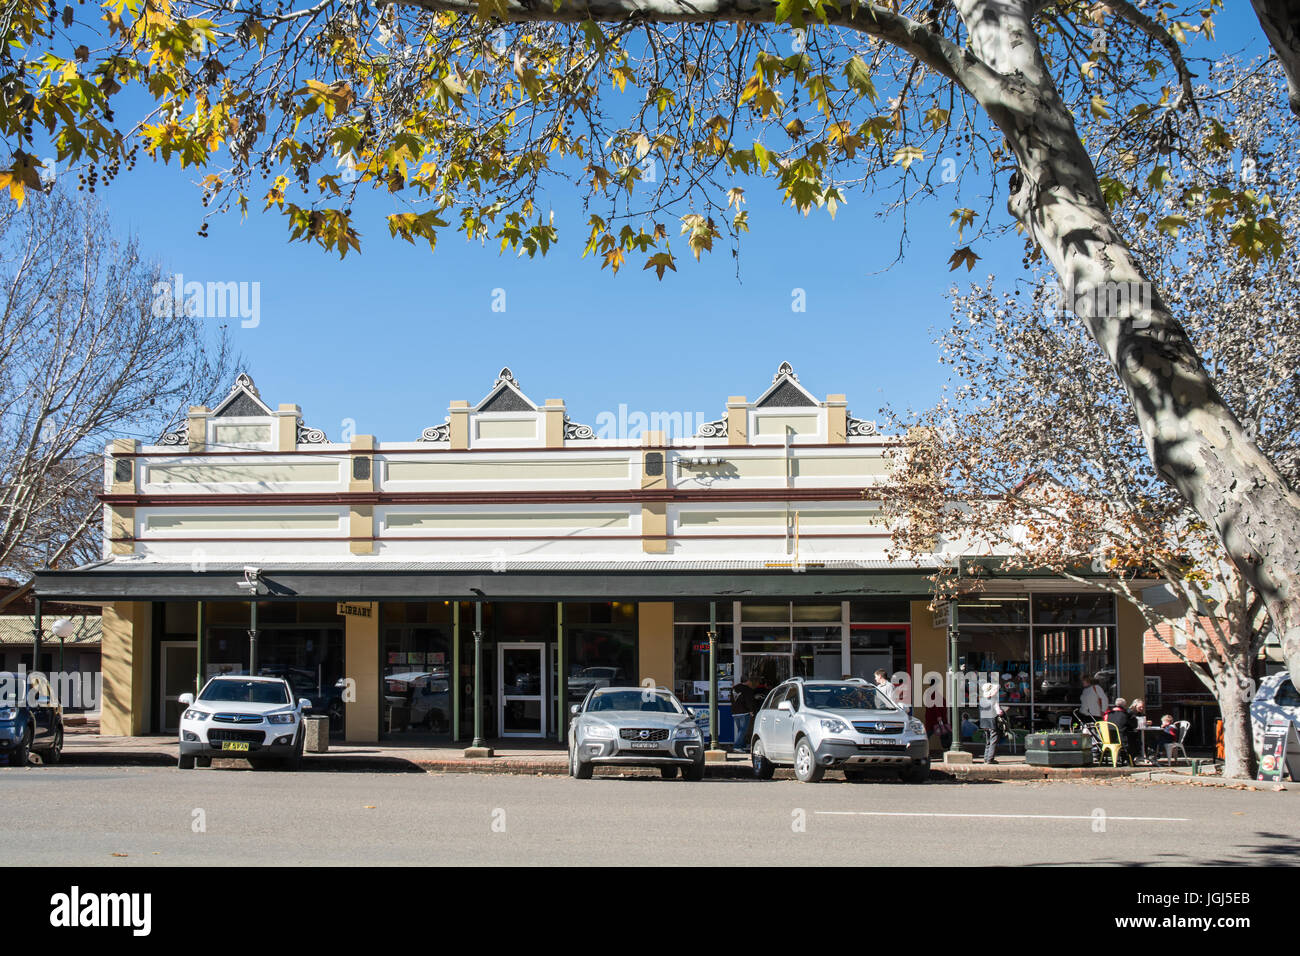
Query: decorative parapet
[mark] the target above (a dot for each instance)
(861, 428)
(575, 432)
(437, 432)
(310, 436)
(179, 436)
(715, 429)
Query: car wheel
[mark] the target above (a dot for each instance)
(668, 773)
(203, 761)
(694, 773)
(53, 755)
(806, 767)
(579, 770)
(763, 768)
(18, 756)
(185, 762)
(918, 772)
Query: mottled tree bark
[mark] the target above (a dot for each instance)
(1281, 22)
(1238, 744)
(1193, 438)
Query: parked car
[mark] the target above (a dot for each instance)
(634, 727)
(426, 693)
(820, 725)
(303, 683)
(31, 718)
(242, 716)
(1276, 699)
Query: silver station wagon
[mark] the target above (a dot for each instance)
(634, 727)
(819, 725)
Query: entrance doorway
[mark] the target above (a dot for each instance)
(179, 665)
(522, 690)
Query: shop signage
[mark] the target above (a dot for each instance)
(355, 610)
(1280, 752)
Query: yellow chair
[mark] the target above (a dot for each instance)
(1110, 742)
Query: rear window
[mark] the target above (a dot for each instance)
(245, 692)
(845, 697)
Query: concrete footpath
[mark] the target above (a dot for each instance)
(93, 750)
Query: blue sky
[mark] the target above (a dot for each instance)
(420, 329)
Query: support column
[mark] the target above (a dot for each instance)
(478, 747)
(361, 659)
(124, 668)
(561, 678)
(455, 670)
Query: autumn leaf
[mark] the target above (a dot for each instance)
(964, 254)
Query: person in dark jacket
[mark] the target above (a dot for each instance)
(743, 704)
(1118, 715)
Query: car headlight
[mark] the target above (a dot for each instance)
(687, 732)
(192, 714)
(288, 718)
(8, 713)
(914, 726)
(599, 732)
(833, 725)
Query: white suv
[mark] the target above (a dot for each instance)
(242, 716)
(848, 725)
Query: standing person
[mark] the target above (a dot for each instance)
(1093, 701)
(885, 686)
(743, 703)
(991, 714)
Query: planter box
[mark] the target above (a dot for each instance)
(1058, 750)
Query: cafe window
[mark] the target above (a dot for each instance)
(691, 650)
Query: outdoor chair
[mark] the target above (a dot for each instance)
(1112, 743)
(1183, 726)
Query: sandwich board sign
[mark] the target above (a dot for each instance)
(1280, 752)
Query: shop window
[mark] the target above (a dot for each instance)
(1096, 608)
(880, 611)
(691, 662)
(993, 610)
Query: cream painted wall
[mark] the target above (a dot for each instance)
(1132, 679)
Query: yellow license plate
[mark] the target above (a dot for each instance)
(234, 745)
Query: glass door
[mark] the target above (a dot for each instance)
(521, 688)
(179, 666)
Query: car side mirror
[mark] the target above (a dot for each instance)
(785, 705)
(304, 703)
(575, 709)
(185, 700)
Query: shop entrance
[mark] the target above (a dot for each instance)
(179, 665)
(522, 690)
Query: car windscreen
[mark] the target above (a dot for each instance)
(844, 697)
(245, 692)
(634, 700)
(13, 690)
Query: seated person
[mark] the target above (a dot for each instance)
(1117, 715)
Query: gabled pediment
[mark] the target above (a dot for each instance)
(242, 402)
(505, 396)
(786, 392)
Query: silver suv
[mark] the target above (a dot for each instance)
(634, 727)
(820, 725)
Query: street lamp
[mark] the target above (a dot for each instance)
(63, 629)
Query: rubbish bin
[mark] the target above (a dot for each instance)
(316, 735)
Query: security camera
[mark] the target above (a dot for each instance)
(251, 573)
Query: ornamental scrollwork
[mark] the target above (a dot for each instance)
(575, 432)
(716, 429)
(437, 432)
(179, 436)
(858, 427)
(310, 436)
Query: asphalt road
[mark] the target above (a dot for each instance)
(148, 816)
